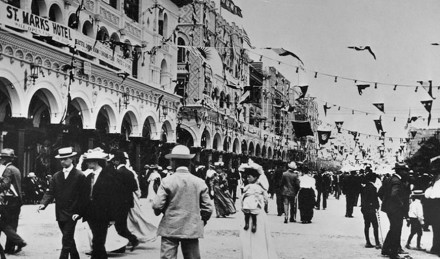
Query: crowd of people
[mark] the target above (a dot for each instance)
(103, 190)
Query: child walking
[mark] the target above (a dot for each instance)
(253, 198)
(415, 218)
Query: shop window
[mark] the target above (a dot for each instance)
(131, 8)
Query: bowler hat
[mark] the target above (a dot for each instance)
(180, 152)
(7, 152)
(65, 152)
(119, 156)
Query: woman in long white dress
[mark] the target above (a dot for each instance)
(258, 244)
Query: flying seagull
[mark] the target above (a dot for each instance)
(361, 48)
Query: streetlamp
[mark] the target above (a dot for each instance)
(164, 112)
(35, 70)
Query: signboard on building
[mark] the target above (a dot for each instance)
(17, 18)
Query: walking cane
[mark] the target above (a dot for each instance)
(380, 226)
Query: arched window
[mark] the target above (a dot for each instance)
(131, 8)
(87, 29)
(163, 73)
(55, 14)
(163, 23)
(181, 52)
(222, 99)
(103, 34)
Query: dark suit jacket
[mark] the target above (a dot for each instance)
(66, 193)
(102, 205)
(369, 199)
(395, 196)
(290, 184)
(12, 175)
(351, 185)
(126, 186)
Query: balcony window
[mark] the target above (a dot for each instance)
(163, 23)
(181, 52)
(131, 8)
(55, 14)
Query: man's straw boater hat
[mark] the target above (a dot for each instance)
(65, 152)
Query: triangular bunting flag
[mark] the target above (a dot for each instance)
(378, 124)
(413, 133)
(427, 105)
(427, 86)
(412, 119)
(339, 125)
(361, 88)
(323, 136)
(380, 106)
(304, 89)
(354, 133)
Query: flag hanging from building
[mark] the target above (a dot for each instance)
(302, 128)
(247, 39)
(246, 96)
(380, 106)
(158, 102)
(231, 7)
(323, 136)
(339, 125)
(361, 88)
(283, 52)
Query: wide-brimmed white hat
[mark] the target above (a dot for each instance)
(65, 152)
(180, 152)
(31, 174)
(292, 165)
(95, 154)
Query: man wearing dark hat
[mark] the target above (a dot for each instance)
(184, 201)
(126, 186)
(65, 187)
(98, 199)
(394, 194)
(11, 184)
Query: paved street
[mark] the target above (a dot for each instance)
(330, 236)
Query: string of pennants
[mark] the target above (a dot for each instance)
(325, 135)
(381, 107)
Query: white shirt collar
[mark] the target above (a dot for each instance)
(67, 170)
(119, 166)
(400, 177)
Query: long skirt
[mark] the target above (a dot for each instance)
(306, 203)
(138, 225)
(224, 205)
(258, 244)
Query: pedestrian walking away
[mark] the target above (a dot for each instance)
(184, 201)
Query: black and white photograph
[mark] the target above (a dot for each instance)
(219, 129)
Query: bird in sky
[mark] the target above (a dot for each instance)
(435, 44)
(361, 48)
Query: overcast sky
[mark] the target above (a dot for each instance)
(400, 33)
